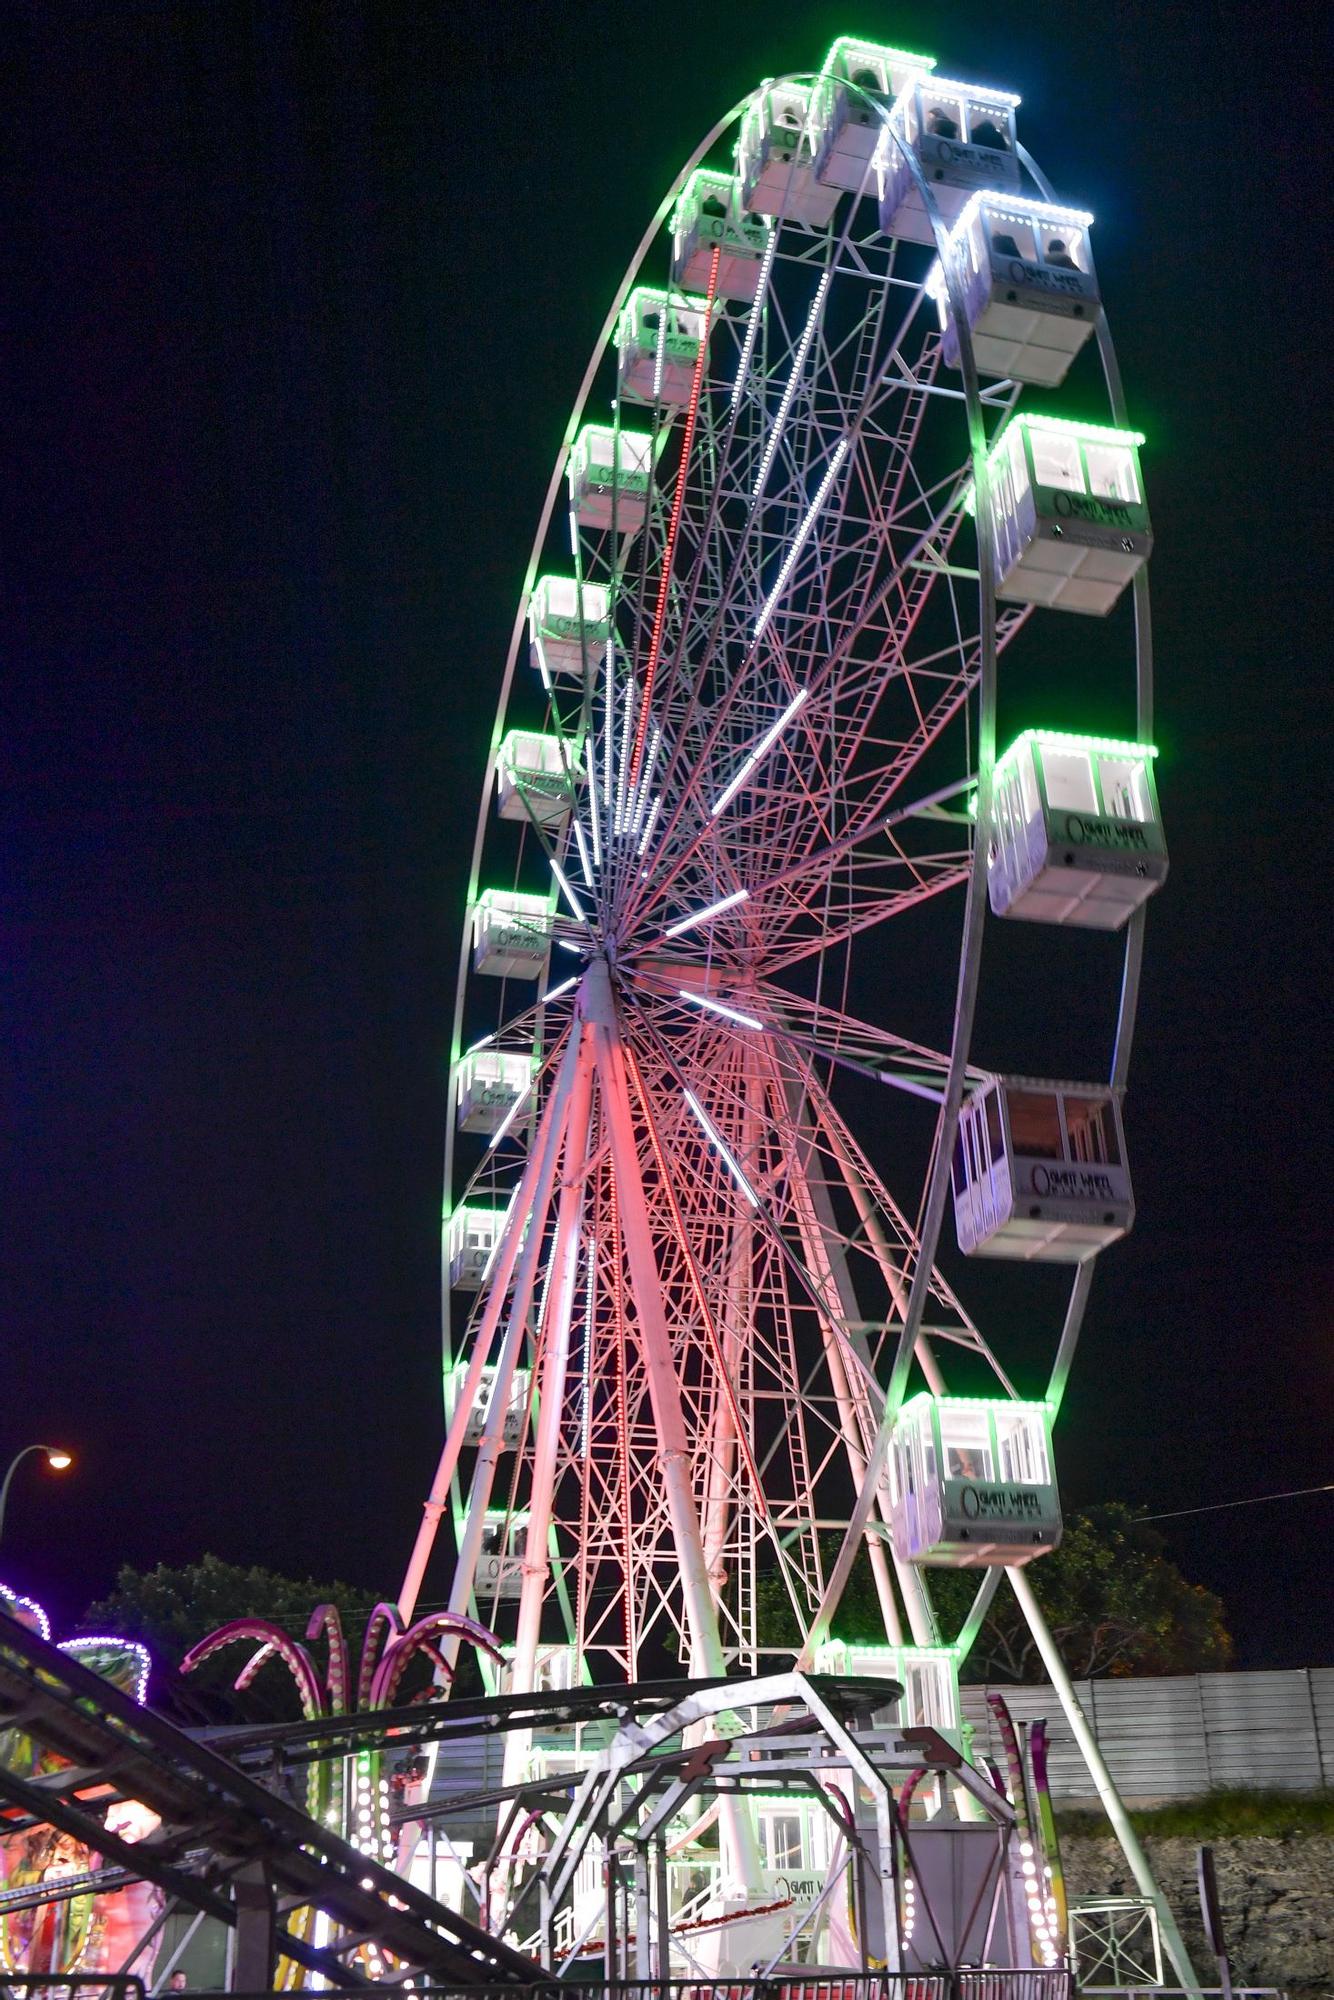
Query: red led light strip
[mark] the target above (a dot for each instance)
(665, 580)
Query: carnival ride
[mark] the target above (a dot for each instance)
(715, 1084)
(715, 1065)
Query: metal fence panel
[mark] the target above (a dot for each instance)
(1176, 1737)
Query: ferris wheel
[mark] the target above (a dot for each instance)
(718, 1084)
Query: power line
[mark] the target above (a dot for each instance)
(1221, 1506)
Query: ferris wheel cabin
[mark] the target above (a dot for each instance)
(708, 216)
(927, 1675)
(963, 138)
(658, 339)
(492, 1082)
(568, 626)
(482, 1420)
(1030, 293)
(1076, 836)
(1067, 506)
(535, 775)
(511, 932)
(610, 473)
(971, 1482)
(857, 87)
(500, 1564)
(775, 165)
(471, 1237)
(1040, 1171)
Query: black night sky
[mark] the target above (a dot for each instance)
(297, 298)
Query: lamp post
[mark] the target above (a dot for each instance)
(58, 1460)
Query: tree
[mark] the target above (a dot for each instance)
(1116, 1602)
(173, 1609)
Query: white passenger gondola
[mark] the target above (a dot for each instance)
(1040, 1171)
(963, 138)
(1030, 291)
(658, 338)
(708, 216)
(610, 473)
(855, 90)
(482, 1420)
(971, 1482)
(470, 1243)
(774, 162)
(500, 1564)
(555, 1669)
(1067, 505)
(492, 1082)
(928, 1675)
(511, 933)
(568, 626)
(535, 775)
(1076, 836)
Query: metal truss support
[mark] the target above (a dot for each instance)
(256, 1944)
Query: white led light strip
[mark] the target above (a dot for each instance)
(798, 367)
(714, 1138)
(756, 311)
(761, 750)
(799, 539)
(703, 916)
(717, 1007)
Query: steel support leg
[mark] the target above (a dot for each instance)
(253, 1961)
(664, 1387)
(1137, 1859)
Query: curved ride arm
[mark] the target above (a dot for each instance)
(385, 1621)
(327, 1619)
(272, 1639)
(417, 1638)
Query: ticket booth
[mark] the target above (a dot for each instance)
(491, 1084)
(610, 474)
(1067, 506)
(1076, 836)
(482, 1420)
(658, 339)
(963, 138)
(568, 627)
(511, 932)
(853, 95)
(775, 165)
(972, 1482)
(708, 216)
(534, 775)
(1030, 292)
(1040, 1172)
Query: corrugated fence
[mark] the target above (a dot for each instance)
(1166, 1739)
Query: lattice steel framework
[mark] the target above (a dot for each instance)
(708, 1291)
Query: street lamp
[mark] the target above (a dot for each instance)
(57, 1458)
